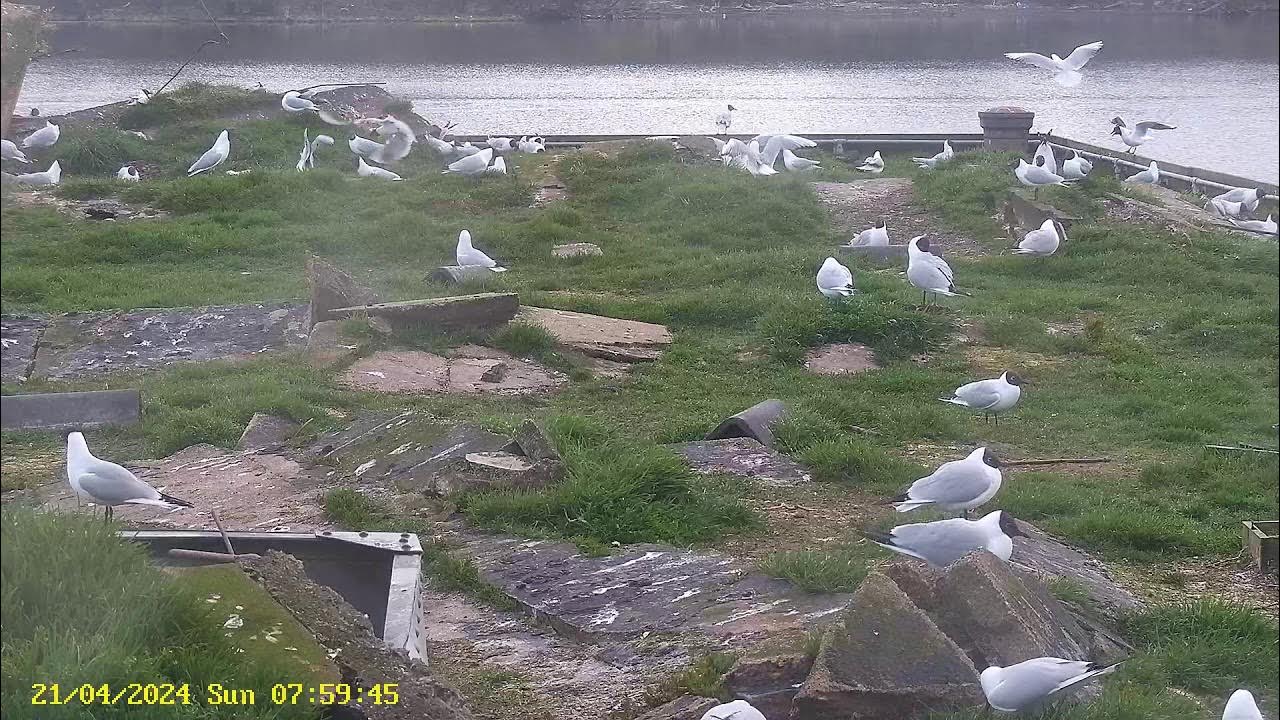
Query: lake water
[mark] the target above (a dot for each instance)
(1215, 78)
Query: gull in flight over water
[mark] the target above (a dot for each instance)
(1043, 241)
(943, 542)
(213, 157)
(468, 256)
(835, 280)
(1066, 71)
(956, 485)
(992, 397)
(106, 483)
(1138, 134)
(1030, 683)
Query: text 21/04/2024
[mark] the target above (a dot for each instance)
(212, 694)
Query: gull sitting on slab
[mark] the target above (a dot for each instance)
(1150, 176)
(1138, 134)
(930, 163)
(943, 542)
(877, 236)
(1043, 241)
(213, 157)
(1066, 71)
(873, 164)
(108, 484)
(956, 485)
(468, 256)
(835, 280)
(991, 397)
(1030, 683)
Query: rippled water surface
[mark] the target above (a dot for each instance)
(1216, 79)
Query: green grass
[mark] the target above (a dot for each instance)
(839, 570)
(704, 678)
(90, 608)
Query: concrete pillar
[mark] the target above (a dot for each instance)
(1006, 128)
(23, 38)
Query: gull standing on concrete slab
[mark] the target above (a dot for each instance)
(929, 272)
(1138, 134)
(992, 397)
(1075, 167)
(1241, 706)
(1036, 177)
(468, 256)
(10, 151)
(52, 176)
(736, 710)
(364, 169)
(943, 542)
(1267, 226)
(106, 483)
(835, 280)
(930, 163)
(873, 164)
(128, 173)
(1043, 241)
(724, 119)
(877, 236)
(213, 157)
(1150, 176)
(43, 138)
(474, 164)
(956, 485)
(1066, 71)
(1030, 683)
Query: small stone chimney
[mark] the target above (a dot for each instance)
(1006, 128)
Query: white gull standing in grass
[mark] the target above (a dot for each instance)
(468, 256)
(928, 271)
(956, 485)
(943, 542)
(1036, 177)
(43, 138)
(835, 280)
(474, 164)
(213, 157)
(1066, 71)
(364, 169)
(1030, 683)
(991, 397)
(106, 483)
(1043, 241)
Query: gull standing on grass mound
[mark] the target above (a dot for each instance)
(10, 151)
(835, 280)
(736, 710)
(1150, 176)
(873, 164)
(1075, 167)
(1066, 71)
(1043, 241)
(930, 163)
(52, 176)
(1139, 134)
(943, 542)
(468, 256)
(929, 272)
(956, 485)
(1241, 706)
(43, 138)
(106, 483)
(992, 397)
(128, 173)
(877, 236)
(213, 157)
(1036, 177)
(1030, 683)
(364, 169)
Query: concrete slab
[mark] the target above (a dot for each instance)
(627, 341)
(458, 312)
(70, 410)
(841, 359)
(19, 337)
(414, 371)
(744, 457)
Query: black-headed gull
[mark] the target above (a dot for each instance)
(1138, 134)
(1241, 706)
(1044, 156)
(877, 236)
(873, 164)
(52, 176)
(1066, 71)
(473, 164)
(213, 157)
(1150, 176)
(1267, 226)
(929, 272)
(1032, 682)
(724, 119)
(930, 163)
(1043, 241)
(795, 163)
(943, 542)
(468, 256)
(835, 280)
(990, 397)
(956, 485)
(1075, 167)
(128, 173)
(773, 145)
(108, 484)
(499, 166)
(43, 138)
(364, 169)
(10, 151)
(1036, 177)
(500, 144)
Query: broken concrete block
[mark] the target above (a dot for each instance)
(533, 442)
(601, 337)
(459, 312)
(770, 677)
(886, 660)
(576, 250)
(744, 457)
(457, 275)
(324, 347)
(494, 470)
(755, 422)
(70, 410)
(266, 431)
(393, 371)
(332, 288)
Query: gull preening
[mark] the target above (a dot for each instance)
(1036, 177)
(929, 272)
(956, 485)
(1043, 241)
(43, 138)
(1066, 71)
(1075, 167)
(307, 156)
(1267, 226)
(474, 164)
(364, 169)
(930, 163)
(724, 119)
(736, 710)
(1138, 134)
(1032, 682)
(499, 166)
(108, 484)
(399, 142)
(795, 163)
(128, 173)
(991, 397)
(468, 256)
(1241, 706)
(1044, 156)
(943, 542)
(364, 147)
(835, 280)
(294, 102)
(1150, 176)
(213, 157)
(10, 151)
(1247, 197)
(873, 164)
(500, 144)
(52, 176)
(877, 236)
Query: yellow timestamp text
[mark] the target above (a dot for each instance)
(213, 694)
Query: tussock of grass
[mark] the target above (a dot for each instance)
(194, 100)
(354, 510)
(840, 569)
(100, 151)
(89, 608)
(704, 678)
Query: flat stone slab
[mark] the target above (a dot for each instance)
(458, 312)
(1042, 555)
(596, 336)
(19, 336)
(647, 589)
(87, 344)
(576, 250)
(744, 457)
(841, 359)
(70, 410)
(415, 371)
